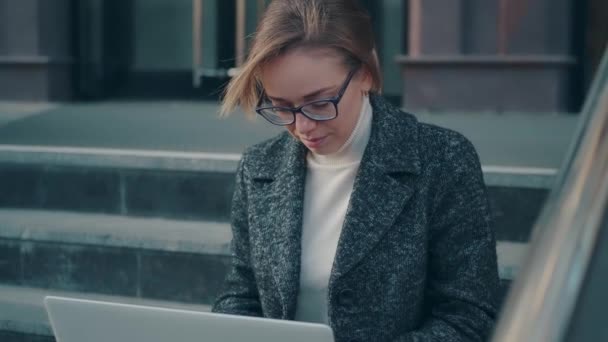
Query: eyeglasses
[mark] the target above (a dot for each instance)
(318, 110)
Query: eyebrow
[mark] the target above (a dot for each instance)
(306, 97)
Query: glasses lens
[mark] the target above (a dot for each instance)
(277, 116)
(320, 110)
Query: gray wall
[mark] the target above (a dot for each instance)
(163, 35)
(35, 50)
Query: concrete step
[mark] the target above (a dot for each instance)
(199, 186)
(86, 158)
(149, 261)
(182, 261)
(142, 257)
(528, 139)
(194, 186)
(24, 318)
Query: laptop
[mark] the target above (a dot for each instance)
(78, 320)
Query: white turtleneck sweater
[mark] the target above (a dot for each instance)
(329, 184)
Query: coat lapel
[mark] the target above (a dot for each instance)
(380, 191)
(286, 178)
(378, 198)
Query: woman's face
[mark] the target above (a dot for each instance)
(300, 76)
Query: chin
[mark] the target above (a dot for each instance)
(323, 151)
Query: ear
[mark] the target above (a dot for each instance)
(376, 64)
(366, 80)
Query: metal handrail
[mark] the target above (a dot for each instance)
(544, 295)
(197, 34)
(240, 31)
(240, 41)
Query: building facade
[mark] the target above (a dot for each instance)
(524, 55)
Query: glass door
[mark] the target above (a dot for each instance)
(154, 48)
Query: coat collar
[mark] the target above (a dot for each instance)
(392, 147)
(380, 191)
(284, 173)
(377, 199)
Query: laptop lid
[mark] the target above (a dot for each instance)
(78, 320)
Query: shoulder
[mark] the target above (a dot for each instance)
(449, 161)
(269, 147)
(444, 145)
(432, 145)
(268, 153)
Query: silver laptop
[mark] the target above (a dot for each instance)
(77, 320)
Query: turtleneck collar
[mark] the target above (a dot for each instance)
(353, 148)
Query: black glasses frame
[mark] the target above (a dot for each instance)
(294, 110)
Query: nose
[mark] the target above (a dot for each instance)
(304, 125)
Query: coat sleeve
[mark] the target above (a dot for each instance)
(239, 295)
(463, 273)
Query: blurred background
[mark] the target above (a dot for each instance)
(64, 50)
(116, 172)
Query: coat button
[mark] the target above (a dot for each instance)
(346, 298)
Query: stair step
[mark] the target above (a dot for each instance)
(163, 192)
(22, 308)
(144, 261)
(202, 237)
(502, 138)
(199, 186)
(156, 258)
(134, 257)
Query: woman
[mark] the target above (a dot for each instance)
(357, 216)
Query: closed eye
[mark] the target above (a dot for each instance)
(320, 105)
(320, 94)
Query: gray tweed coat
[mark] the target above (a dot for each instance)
(416, 260)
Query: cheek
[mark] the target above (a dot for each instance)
(291, 129)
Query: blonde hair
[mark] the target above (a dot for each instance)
(340, 25)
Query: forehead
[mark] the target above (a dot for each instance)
(302, 71)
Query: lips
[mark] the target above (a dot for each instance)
(313, 142)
